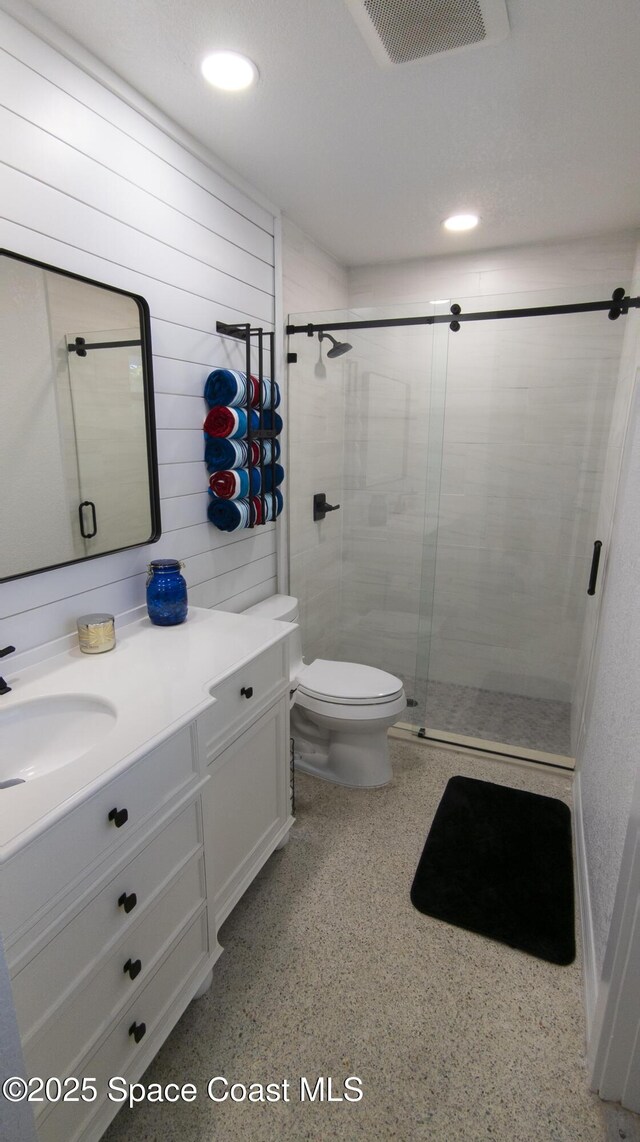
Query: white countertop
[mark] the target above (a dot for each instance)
(157, 678)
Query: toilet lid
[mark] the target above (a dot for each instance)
(348, 682)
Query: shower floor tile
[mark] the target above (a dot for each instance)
(531, 723)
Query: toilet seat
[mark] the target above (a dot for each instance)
(348, 684)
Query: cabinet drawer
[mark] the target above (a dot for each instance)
(119, 1054)
(48, 867)
(72, 954)
(262, 680)
(69, 1033)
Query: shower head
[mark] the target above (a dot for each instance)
(339, 347)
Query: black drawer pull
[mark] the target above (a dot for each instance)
(119, 817)
(247, 691)
(595, 560)
(138, 1030)
(133, 967)
(128, 902)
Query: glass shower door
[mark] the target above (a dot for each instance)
(365, 429)
(528, 412)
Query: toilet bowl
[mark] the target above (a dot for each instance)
(341, 711)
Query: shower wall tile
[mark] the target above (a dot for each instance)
(515, 523)
(391, 517)
(319, 622)
(506, 670)
(574, 413)
(554, 265)
(531, 573)
(521, 470)
(506, 618)
(479, 416)
(313, 281)
(385, 639)
(379, 596)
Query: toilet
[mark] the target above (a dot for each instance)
(341, 711)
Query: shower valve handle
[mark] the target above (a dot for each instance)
(321, 507)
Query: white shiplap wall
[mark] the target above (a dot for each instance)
(90, 184)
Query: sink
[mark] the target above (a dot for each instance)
(43, 734)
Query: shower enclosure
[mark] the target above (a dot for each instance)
(467, 466)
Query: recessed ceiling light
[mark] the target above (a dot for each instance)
(461, 222)
(229, 71)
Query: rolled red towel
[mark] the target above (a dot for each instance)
(234, 484)
(229, 422)
(225, 484)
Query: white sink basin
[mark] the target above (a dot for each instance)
(43, 734)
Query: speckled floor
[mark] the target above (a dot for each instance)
(330, 971)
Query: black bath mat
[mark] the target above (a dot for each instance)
(498, 861)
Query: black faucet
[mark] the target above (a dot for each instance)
(4, 689)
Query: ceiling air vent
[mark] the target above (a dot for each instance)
(402, 31)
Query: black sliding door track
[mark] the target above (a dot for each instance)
(617, 305)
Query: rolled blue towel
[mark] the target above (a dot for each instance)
(268, 505)
(272, 420)
(268, 477)
(222, 454)
(228, 515)
(268, 447)
(270, 392)
(227, 386)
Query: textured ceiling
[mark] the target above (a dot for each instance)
(538, 134)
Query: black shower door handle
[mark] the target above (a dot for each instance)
(595, 561)
(83, 533)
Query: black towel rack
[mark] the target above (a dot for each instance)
(255, 338)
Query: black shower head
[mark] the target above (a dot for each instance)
(339, 347)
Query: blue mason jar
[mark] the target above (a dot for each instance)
(166, 593)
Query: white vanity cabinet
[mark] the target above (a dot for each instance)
(244, 742)
(110, 915)
(117, 939)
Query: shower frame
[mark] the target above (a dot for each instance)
(618, 305)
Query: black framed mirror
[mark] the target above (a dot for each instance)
(77, 427)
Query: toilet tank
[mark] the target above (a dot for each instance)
(282, 607)
(285, 609)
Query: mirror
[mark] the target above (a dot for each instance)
(77, 428)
